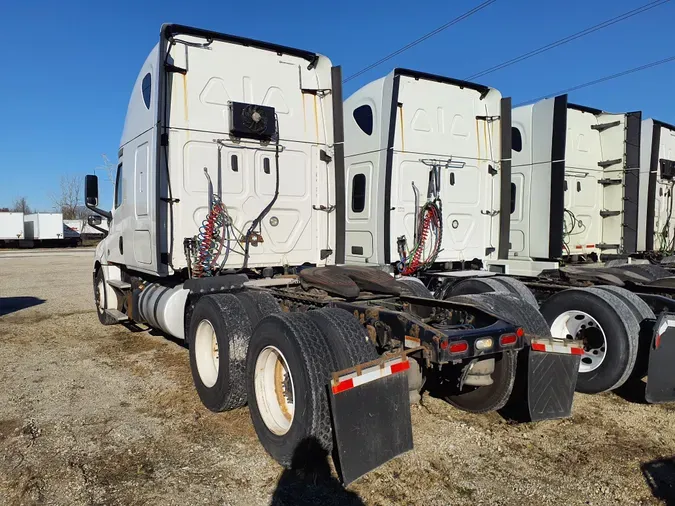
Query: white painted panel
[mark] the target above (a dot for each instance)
(141, 246)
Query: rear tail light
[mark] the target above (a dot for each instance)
(657, 341)
(508, 339)
(484, 344)
(459, 347)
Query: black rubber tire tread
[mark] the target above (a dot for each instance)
(493, 397)
(346, 337)
(258, 305)
(640, 308)
(511, 309)
(519, 289)
(233, 329)
(415, 287)
(477, 285)
(311, 362)
(619, 324)
(103, 317)
(651, 271)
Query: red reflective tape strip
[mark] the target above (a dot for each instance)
(538, 347)
(577, 351)
(343, 385)
(401, 366)
(578, 246)
(590, 245)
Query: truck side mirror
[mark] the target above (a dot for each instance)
(91, 190)
(91, 195)
(93, 219)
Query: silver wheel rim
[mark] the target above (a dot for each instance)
(580, 325)
(206, 353)
(100, 294)
(274, 390)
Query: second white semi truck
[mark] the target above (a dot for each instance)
(441, 179)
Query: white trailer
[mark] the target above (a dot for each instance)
(11, 228)
(46, 230)
(43, 226)
(228, 231)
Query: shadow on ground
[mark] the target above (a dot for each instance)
(10, 305)
(309, 481)
(660, 476)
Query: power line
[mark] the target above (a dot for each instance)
(601, 80)
(421, 39)
(569, 38)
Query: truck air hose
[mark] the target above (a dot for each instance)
(430, 227)
(210, 239)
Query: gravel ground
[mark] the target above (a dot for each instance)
(103, 415)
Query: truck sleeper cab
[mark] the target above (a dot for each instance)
(591, 159)
(592, 202)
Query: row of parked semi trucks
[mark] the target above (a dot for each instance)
(44, 230)
(326, 262)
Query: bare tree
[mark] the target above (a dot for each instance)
(68, 201)
(5, 210)
(21, 206)
(109, 168)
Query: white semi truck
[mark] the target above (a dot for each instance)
(451, 181)
(228, 231)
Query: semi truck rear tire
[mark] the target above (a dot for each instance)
(518, 289)
(257, 305)
(507, 305)
(100, 299)
(346, 337)
(218, 338)
(415, 288)
(288, 367)
(639, 307)
(609, 329)
(493, 397)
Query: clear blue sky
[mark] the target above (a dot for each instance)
(68, 66)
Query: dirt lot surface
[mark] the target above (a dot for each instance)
(102, 415)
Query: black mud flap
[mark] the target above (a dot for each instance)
(660, 374)
(371, 417)
(551, 379)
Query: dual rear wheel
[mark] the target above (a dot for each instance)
(244, 349)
